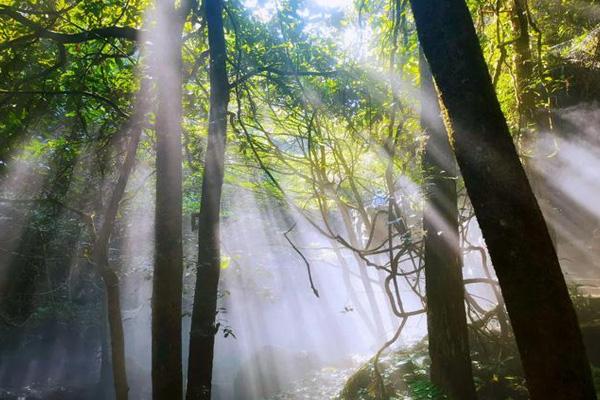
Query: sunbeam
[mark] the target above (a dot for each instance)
(299, 200)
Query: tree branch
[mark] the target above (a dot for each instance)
(312, 284)
(112, 32)
(70, 92)
(277, 71)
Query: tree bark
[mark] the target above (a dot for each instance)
(105, 386)
(101, 260)
(117, 337)
(523, 63)
(446, 317)
(167, 370)
(203, 328)
(538, 303)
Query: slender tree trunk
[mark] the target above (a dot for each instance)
(105, 389)
(538, 303)
(446, 317)
(364, 274)
(108, 274)
(356, 303)
(167, 373)
(203, 329)
(523, 62)
(117, 337)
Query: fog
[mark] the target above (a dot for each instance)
(273, 329)
(308, 290)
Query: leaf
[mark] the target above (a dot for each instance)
(225, 262)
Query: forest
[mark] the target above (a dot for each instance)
(299, 199)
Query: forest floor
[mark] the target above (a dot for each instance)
(496, 368)
(403, 373)
(326, 383)
(405, 377)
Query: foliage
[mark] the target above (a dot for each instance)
(324, 118)
(496, 365)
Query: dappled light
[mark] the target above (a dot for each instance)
(299, 200)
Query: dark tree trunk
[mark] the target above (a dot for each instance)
(514, 229)
(167, 373)
(203, 329)
(446, 317)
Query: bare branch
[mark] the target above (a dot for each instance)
(312, 285)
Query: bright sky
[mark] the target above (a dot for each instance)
(333, 3)
(264, 10)
(352, 39)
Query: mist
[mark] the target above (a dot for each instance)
(299, 200)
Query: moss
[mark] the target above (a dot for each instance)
(404, 373)
(358, 383)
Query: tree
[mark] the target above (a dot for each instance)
(108, 274)
(167, 374)
(537, 300)
(523, 62)
(203, 329)
(30, 28)
(446, 318)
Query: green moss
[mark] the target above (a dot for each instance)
(358, 383)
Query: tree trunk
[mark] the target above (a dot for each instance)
(109, 276)
(537, 300)
(364, 273)
(203, 329)
(167, 373)
(117, 337)
(446, 317)
(105, 388)
(523, 63)
(356, 303)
